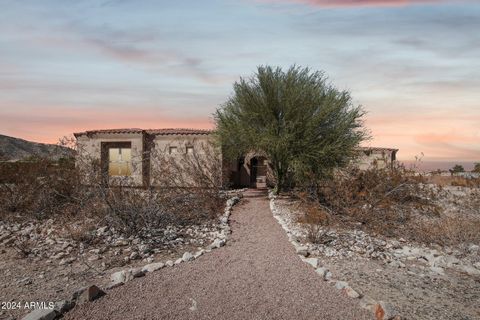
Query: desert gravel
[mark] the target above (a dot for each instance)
(256, 276)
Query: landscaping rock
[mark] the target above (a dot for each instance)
(169, 263)
(153, 267)
(114, 285)
(41, 314)
(352, 293)
(328, 276)
(302, 251)
(198, 253)
(224, 219)
(217, 243)
(64, 306)
(341, 284)
(232, 201)
(322, 272)
(119, 277)
(136, 272)
(101, 231)
(368, 303)
(88, 294)
(134, 255)
(187, 256)
(312, 261)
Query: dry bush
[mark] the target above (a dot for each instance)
(381, 200)
(37, 187)
(453, 181)
(194, 180)
(80, 231)
(315, 217)
(133, 210)
(448, 230)
(186, 191)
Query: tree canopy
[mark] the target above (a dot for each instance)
(457, 168)
(304, 124)
(476, 167)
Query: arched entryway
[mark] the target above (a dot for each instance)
(258, 172)
(250, 170)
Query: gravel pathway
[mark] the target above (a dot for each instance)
(256, 276)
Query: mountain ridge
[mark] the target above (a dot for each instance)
(14, 149)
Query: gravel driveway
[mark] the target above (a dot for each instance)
(256, 276)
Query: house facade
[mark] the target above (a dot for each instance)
(134, 155)
(131, 154)
(374, 157)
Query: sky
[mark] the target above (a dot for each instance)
(68, 66)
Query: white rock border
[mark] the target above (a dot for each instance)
(382, 310)
(119, 278)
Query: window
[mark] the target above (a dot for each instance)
(172, 150)
(189, 149)
(119, 162)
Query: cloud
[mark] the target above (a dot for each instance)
(452, 145)
(436, 134)
(356, 3)
(54, 122)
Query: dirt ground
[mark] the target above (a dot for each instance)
(379, 268)
(257, 275)
(416, 293)
(27, 279)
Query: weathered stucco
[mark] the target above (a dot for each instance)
(379, 158)
(151, 148)
(147, 150)
(90, 148)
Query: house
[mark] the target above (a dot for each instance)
(130, 153)
(252, 169)
(380, 158)
(134, 154)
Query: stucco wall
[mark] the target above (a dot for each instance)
(375, 158)
(161, 148)
(89, 148)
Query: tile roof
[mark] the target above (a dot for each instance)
(178, 131)
(186, 131)
(165, 131)
(375, 149)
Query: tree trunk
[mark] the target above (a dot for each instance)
(280, 176)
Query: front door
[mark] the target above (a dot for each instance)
(253, 172)
(258, 172)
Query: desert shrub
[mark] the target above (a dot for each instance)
(315, 217)
(132, 210)
(448, 230)
(380, 200)
(453, 181)
(465, 182)
(80, 230)
(38, 187)
(186, 191)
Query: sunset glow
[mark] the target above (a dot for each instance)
(75, 66)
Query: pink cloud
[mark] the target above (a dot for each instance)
(436, 135)
(53, 123)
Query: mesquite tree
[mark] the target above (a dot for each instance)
(305, 125)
